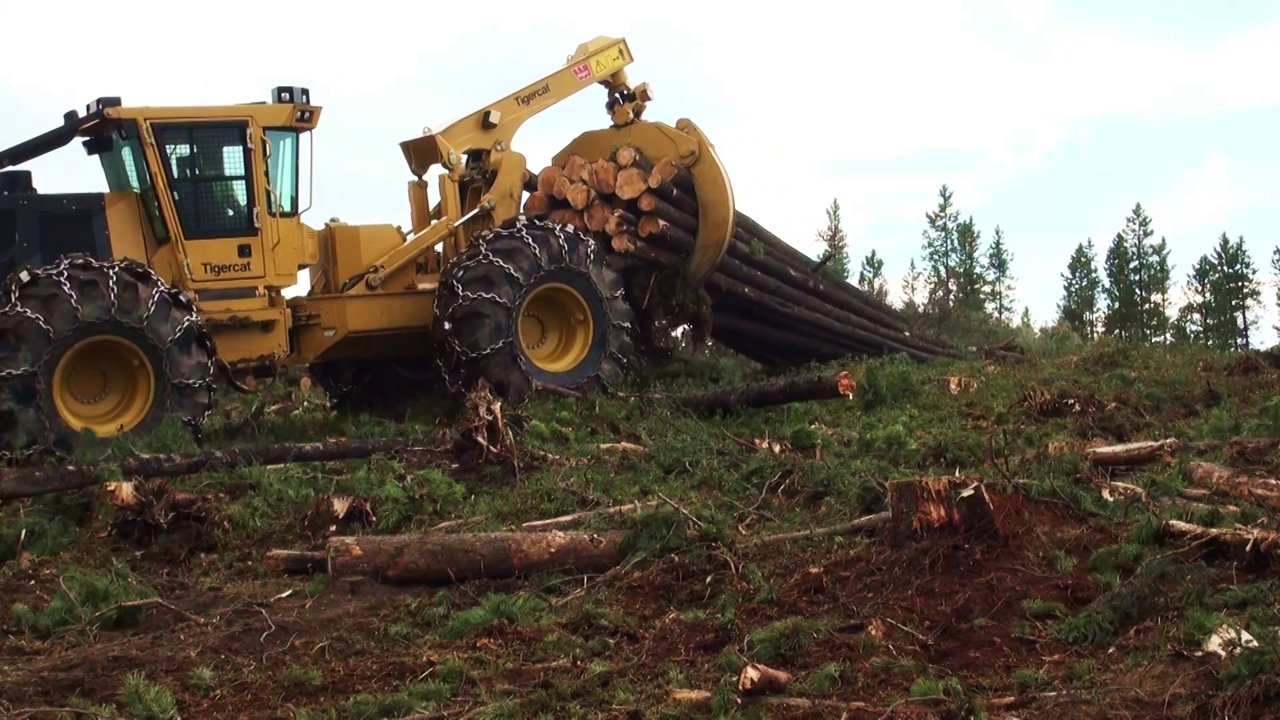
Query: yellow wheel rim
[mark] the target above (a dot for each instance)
(556, 327)
(105, 384)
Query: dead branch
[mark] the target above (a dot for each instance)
(574, 518)
(849, 708)
(1249, 541)
(862, 524)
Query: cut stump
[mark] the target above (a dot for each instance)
(945, 506)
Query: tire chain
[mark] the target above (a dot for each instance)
(59, 271)
(482, 255)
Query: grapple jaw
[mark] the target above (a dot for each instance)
(688, 148)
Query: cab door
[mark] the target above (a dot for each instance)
(209, 170)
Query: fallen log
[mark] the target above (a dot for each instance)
(1251, 542)
(757, 679)
(33, 481)
(944, 506)
(820, 386)
(840, 708)
(1258, 489)
(456, 557)
(1144, 452)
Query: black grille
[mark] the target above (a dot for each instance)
(208, 174)
(36, 229)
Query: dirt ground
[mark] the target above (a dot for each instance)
(956, 627)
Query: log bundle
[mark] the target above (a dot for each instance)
(765, 299)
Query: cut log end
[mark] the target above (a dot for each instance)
(757, 679)
(632, 183)
(576, 168)
(547, 179)
(580, 196)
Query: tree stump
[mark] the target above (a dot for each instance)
(936, 507)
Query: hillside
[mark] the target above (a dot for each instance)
(1084, 606)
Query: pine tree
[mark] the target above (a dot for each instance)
(1137, 234)
(940, 253)
(1120, 317)
(971, 278)
(837, 244)
(911, 290)
(1236, 293)
(1081, 290)
(999, 261)
(1195, 322)
(1159, 275)
(871, 276)
(1275, 268)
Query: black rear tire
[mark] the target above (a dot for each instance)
(541, 275)
(79, 307)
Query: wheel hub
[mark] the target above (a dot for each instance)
(556, 327)
(104, 384)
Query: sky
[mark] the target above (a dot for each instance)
(1049, 119)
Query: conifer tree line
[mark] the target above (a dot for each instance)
(962, 286)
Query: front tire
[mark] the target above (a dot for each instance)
(529, 304)
(104, 347)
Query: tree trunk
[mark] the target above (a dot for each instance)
(942, 506)
(822, 386)
(29, 482)
(757, 679)
(597, 216)
(1251, 543)
(1257, 489)
(537, 204)
(457, 557)
(1130, 454)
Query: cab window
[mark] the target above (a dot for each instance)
(282, 172)
(207, 166)
(126, 170)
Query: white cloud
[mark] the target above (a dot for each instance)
(875, 104)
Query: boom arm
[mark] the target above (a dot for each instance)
(601, 61)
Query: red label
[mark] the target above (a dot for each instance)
(582, 72)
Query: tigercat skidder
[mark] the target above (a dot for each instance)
(126, 306)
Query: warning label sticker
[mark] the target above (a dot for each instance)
(609, 61)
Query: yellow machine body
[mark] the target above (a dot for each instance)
(224, 225)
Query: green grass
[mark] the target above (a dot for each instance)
(742, 604)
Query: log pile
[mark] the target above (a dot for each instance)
(765, 299)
